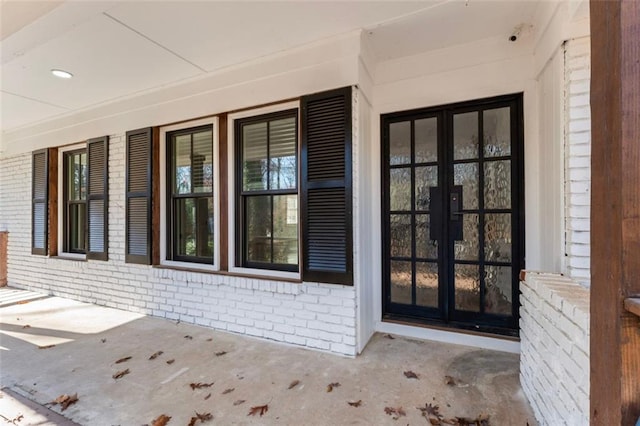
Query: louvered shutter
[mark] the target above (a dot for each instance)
(326, 187)
(39, 202)
(138, 205)
(97, 198)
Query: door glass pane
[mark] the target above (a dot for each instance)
(497, 184)
(401, 282)
(258, 229)
(467, 175)
(467, 288)
(400, 235)
(497, 132)
(282, 153)
(202, 161)
(465, 136)
(254, 156)
(469, 247)
(498, 295)
(426, 177)
(427, 284)
(400, 143)
(497, 237)
(182, 164)
(426, 136)
(285, 229)
(400, 189)
(425, 247)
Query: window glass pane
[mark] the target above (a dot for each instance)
(194, 227)
(427, 284)
(401, 282)
(469, 247)
(466, 174)
(498, 294)
(182, 164)
(497, 184)
(258, 228)
(282, 153)
(202, 162)
(400, 189)
(497, 237)
(76, 227)
(400, 225)
(76, 176)
(467, 288)
(254, 156)
(426, 178)
(426, 248)
(285, 229)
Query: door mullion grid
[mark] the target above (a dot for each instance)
(412, 143)
(481, 212)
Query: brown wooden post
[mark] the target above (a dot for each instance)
(615, 211)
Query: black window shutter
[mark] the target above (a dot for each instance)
(326, 190)
(138, 188)
(97, 198)
(40, 202)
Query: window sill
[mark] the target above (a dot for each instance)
(70, 256)
(234, 273)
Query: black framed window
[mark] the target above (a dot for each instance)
(267, 191)
(75, 201)
(190, 195)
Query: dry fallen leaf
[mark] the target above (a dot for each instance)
(121, 374)
(162, 420)
(221, 353)
(330, 386)
(207, 397)
(410, 375)
(239, 401)
(126, 358)
(396, 413)
(258, 409)
(26, 326)
(199, 385)
(46, 347)
(210, 339)
(388, 336)
(103, 340)
(156, 355)
(188, 337)
(226, 391)
(294, 384)
(66, 400)
(204, 417)
(355, 403)
(171, 361)
(449, 380)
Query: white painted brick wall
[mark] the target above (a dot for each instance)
(554, 342)
(578, 159)
(314, 315)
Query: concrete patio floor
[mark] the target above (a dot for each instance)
(90, 339)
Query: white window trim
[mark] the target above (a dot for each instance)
(214, 121)
(232, 193)
(62, 204)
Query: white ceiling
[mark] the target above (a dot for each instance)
(115, 49)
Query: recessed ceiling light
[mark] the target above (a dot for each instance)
(61, 73)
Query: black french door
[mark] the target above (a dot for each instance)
(453, 214)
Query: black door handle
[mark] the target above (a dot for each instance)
(454, 206)
(455, 213)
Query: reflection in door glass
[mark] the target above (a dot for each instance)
(427, 284)
(401, 282)
(498, 296)
(400, 235)
(426, 178)
(497, 184)
(400, 143)
(497, 237)
(400, 189)
(467, 285)
(469, 247)
(426, 248)
(497, 132)
(426, 136)
(466, 174)
(465, 136)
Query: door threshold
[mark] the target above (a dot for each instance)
(448, 335)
